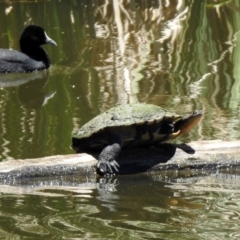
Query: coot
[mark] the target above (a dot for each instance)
(32, 57)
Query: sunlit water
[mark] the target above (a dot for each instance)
(181, 55)
(126, 207)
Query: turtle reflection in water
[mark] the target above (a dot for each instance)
(129, 126)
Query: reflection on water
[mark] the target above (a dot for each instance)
(32, 95)
(169, 53)
(126, 207)
(181, 55)
(30, 87)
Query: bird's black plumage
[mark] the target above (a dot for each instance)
(32, 57)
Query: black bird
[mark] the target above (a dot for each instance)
(32, 57)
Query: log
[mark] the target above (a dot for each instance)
(52, 166)
(181, 159)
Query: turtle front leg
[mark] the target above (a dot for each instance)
(107, 158)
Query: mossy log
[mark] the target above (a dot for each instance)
(201, 155)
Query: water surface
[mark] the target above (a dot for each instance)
(181, 55)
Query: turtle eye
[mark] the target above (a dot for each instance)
(195, 112)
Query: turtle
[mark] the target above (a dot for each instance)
(129, 126)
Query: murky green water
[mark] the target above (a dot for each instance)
(126, 207)
(182, 55)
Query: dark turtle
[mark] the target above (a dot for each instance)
(128, 126)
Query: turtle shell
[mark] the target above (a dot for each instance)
(135, 123)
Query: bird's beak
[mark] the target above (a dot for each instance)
(49, 40)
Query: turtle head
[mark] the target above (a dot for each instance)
(186, 123)
(80, 144)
